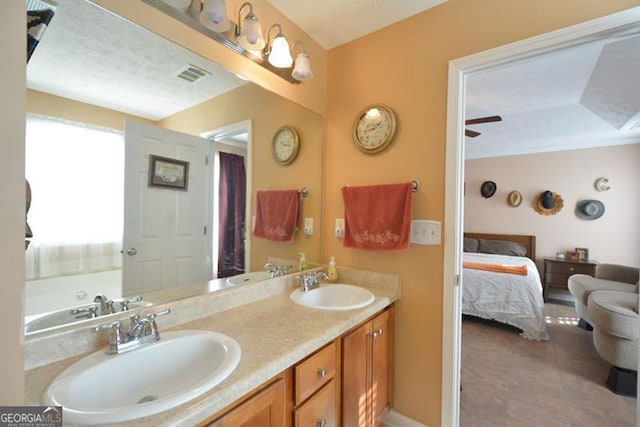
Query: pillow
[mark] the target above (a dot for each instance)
(500, 247)
(470, 245)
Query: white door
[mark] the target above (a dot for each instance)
(164, 242)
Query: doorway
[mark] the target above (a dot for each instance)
(459, 69)
(231, 178)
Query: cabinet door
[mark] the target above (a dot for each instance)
(382, 366)
(264, 409)
(356, 362)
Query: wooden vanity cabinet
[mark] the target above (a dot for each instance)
(264, 408)
(367, 372)
(315, 389)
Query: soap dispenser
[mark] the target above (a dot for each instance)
(303, 262)
(332, 272)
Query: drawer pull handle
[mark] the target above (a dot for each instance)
(377, 333)
(571, 268)
(321, 422)
(322, 373)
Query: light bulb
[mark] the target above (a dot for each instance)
(280, 55)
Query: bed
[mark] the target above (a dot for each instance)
(500, 282)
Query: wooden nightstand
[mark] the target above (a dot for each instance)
(557, 272)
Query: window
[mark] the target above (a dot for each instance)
(76, 173)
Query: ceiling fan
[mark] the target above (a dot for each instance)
(488, 119)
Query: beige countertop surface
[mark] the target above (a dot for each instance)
(274, 333)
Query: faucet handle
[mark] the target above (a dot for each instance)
(90, 310)
(152, 316)
(124, 304)
(115, 326)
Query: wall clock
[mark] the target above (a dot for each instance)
(286, 144)
(374, 128)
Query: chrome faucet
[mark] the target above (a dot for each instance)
(143, 330)
(275, 270)
(311, 280)
(106, 305)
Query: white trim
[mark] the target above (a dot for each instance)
(396, 419)
(615, 24)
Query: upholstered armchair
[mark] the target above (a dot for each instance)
(609, 277)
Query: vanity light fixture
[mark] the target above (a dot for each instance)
(214, 16)
(249, 31)
(278, 51)
(302, 68)
(209, 17)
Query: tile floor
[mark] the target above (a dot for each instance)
(510, 381)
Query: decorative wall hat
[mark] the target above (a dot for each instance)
(602, 184)
(589, 209)
(514, 199)
(548, 203)
(488, 189)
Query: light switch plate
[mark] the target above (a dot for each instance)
(425, 232)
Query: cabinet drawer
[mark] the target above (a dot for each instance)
(314, 372)
(320, 410)
(569, 268)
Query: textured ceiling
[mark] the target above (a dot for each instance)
(90, 55)
(335, 22)
(585, 96)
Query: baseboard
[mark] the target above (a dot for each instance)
(395, 419)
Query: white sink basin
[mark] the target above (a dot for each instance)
(245, 278)
(105, 388)
(334, 297)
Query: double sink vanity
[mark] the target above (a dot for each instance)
(267, 352)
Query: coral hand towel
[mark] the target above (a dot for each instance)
(277, 215)
(377, 217)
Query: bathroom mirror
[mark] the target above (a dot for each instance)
(81, 35)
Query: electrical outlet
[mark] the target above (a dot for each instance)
(340, 227)
(308, 226)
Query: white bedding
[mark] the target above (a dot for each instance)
(507, 298)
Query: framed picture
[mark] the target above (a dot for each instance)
(168, 173)
(571, 256)
(583, 254)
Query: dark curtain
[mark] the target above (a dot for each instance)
(231, 210)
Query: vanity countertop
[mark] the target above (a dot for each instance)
(274, 333)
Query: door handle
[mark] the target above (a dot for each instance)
(132, 251)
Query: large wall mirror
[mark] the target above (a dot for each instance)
(98, 85)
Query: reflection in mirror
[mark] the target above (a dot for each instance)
(91, 73)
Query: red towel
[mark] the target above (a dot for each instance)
(377, 217)
(277, 215)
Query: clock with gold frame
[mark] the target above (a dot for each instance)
(286, 144)
(374, 128)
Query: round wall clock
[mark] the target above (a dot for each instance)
(374, 128)
(286, 144)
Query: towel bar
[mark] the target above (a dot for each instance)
(304, 192)
(415, 184)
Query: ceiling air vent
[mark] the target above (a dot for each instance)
(193, 73)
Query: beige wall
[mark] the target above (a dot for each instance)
(268, 112)
(65, 108)
(405, 67)
(615, 237)
(12, 194)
